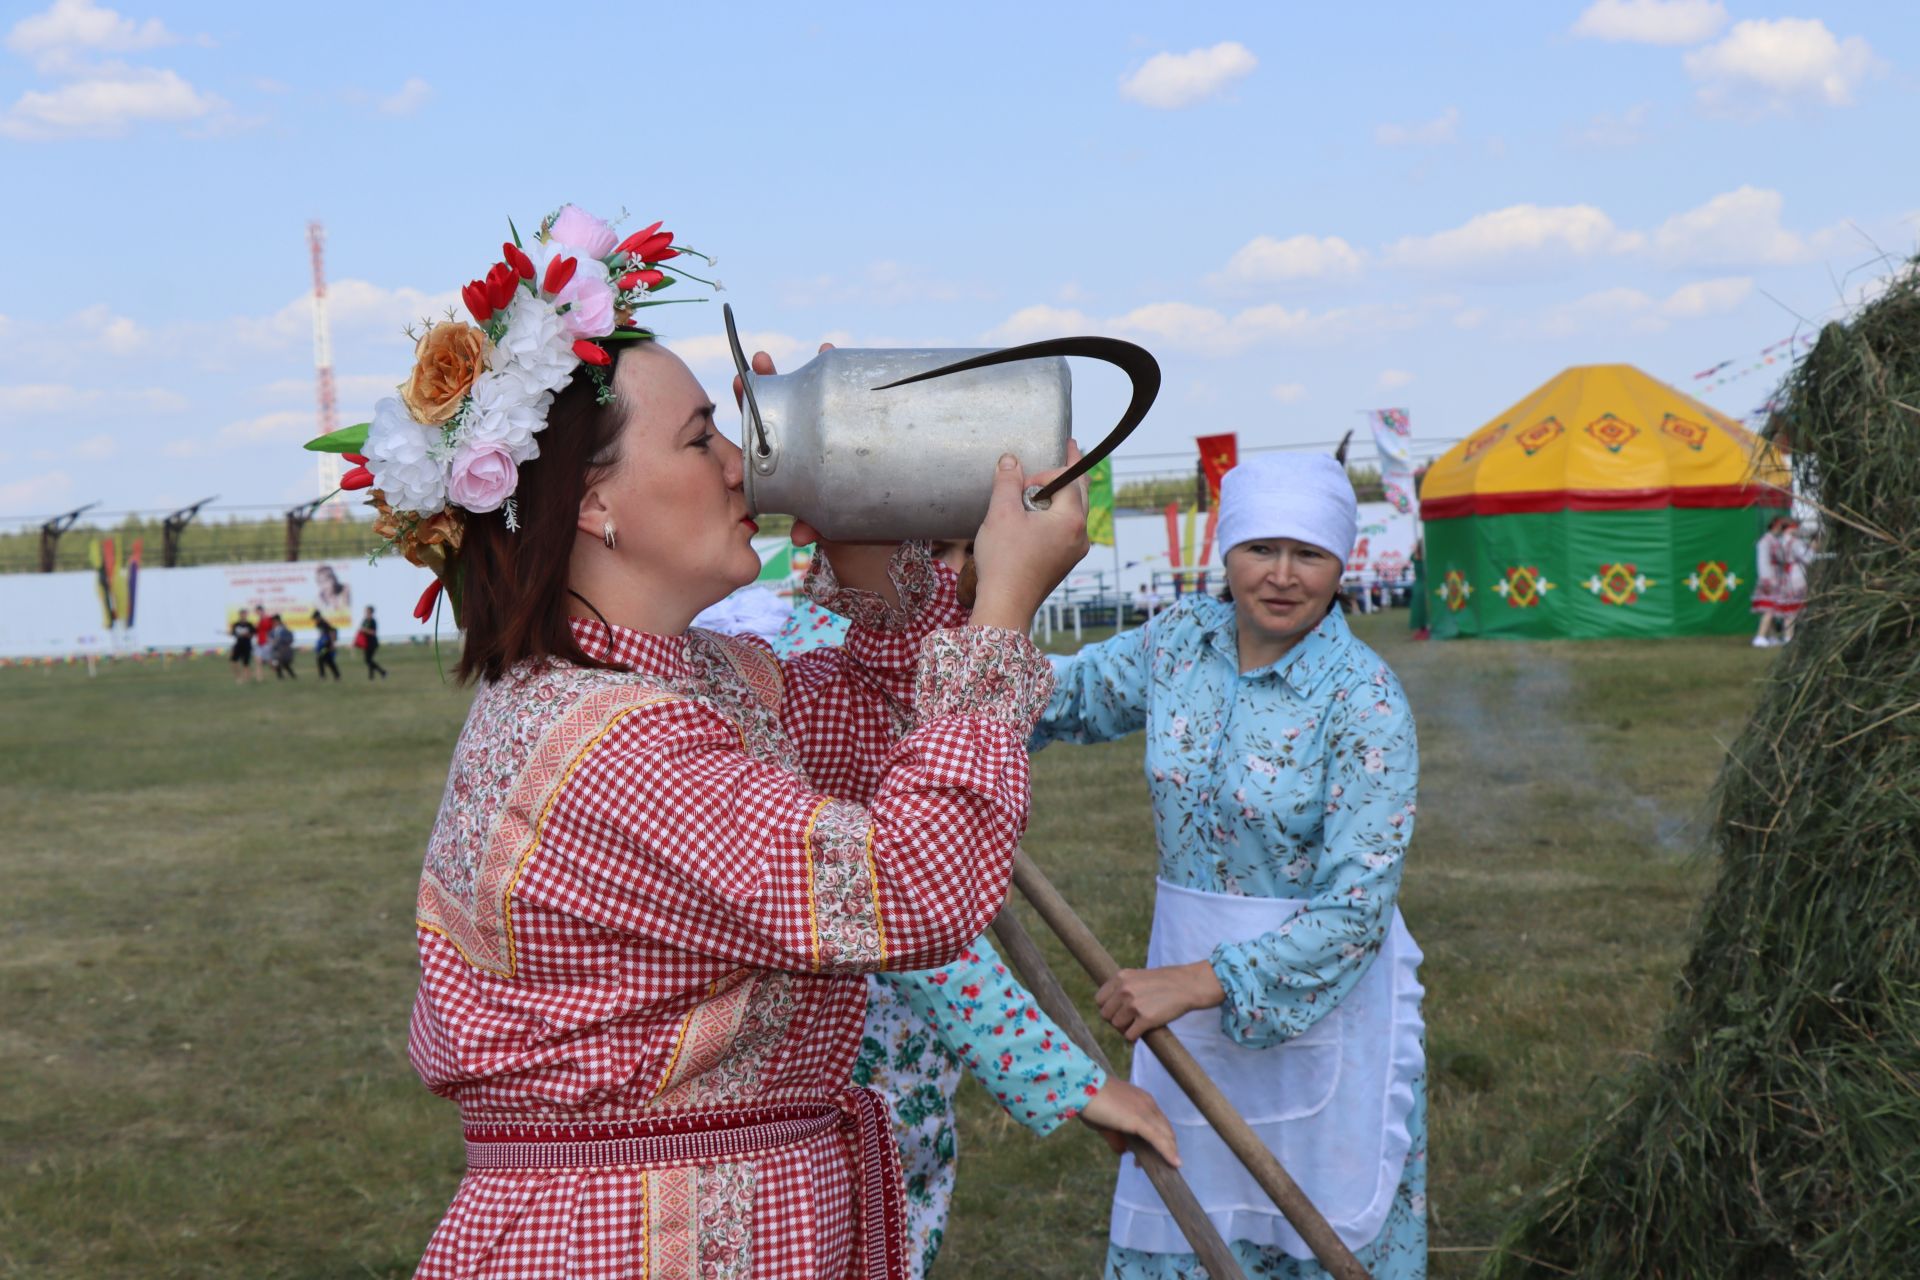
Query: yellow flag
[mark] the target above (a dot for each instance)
(1100, 502)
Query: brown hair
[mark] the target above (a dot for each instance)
(513, 582)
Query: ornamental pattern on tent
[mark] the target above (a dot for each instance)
(1454, 590)
(1618, 584)
(1482, 441)
(1691, 434)
(1539, 435)
(1614, 433)
(1712, 583)
(1524, 586)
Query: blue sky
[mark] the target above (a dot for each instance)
(1304, 211)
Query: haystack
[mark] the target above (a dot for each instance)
(1774, 1131)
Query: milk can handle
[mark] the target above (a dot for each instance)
(1142, 370)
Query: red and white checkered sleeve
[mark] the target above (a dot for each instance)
(844, 706)
(674, 833)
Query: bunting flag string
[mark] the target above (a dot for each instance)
(1773, 353)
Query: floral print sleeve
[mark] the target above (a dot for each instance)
(1101, 692)
(1282, 982)
(993, 1026)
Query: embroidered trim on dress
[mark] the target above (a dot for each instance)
(845, 902)
(982, 671)
(491, 825)
(915, 576)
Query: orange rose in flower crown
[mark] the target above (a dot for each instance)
(468, 417)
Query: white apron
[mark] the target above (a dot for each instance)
(1331, 1104)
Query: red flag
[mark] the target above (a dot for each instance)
(1218, 454)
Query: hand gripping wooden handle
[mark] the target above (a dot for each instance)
(1024, 954)
(1240, 1138)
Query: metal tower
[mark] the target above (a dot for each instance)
(329, 463)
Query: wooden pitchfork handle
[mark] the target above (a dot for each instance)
(1024, 954)
(1240, 1138)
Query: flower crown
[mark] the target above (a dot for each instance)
(468, 417)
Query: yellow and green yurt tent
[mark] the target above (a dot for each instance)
(1606, 503)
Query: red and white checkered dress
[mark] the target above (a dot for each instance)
(646, 906)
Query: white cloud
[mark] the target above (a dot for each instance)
(287, 426)
(709, 351)
(1613, 309)
(1520, 233)
(1289, 392)
(48, 492)
(1172, 80)
(1427, 133)
(1771, 64)
(105, 103)
(51, 399)
(354, 307)
(1738, 226)
(1186, 326)
(349, 388)
(412, 96)
(1606, 130)
(1031, 324)
(1652, 21)
(1264, 260)
(1471, 318)
(96, 448)
(79, 24)
(1394, 379)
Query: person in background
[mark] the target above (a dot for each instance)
(1790, 595)
(262, 641)
(923, 1026)
(241, 655)
(324, 644)
(1770, 560)
(281, 652)
(1281, 760)
(367, 641)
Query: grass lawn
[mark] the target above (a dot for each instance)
(207, 960)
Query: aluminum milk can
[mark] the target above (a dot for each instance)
(908, 462)
(883, 444)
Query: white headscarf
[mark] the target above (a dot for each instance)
(1305, 497)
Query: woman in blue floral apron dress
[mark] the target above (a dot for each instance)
(1281, 760)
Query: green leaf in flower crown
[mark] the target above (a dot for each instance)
(516, 234)
(351, 439)
(636, 335)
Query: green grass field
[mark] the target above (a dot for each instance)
(207, 959)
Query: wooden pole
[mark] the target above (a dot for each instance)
(1240, 1138)
(1024, 954)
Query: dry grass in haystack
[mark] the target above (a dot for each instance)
(1775, 1129)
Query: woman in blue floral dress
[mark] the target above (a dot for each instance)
(923, 1027)
(1281, 760)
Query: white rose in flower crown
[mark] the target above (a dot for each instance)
(400, 455)
(536, 349)
(502, 414)
(587, 297)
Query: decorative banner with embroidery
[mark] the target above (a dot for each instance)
(1393, 439)
(1218, 455)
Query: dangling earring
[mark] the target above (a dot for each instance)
(606, 534)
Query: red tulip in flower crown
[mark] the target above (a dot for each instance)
(468, 417)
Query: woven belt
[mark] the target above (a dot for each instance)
(706, 1137)
(699, 1137)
